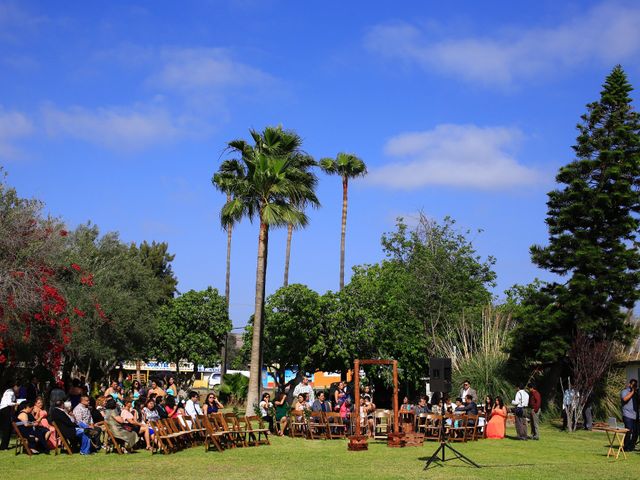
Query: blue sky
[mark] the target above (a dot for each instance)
(119, 113)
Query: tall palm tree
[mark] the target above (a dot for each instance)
(302, 173)
(347, 166)
(224, 180)
(270, 192)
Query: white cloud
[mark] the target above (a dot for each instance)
(13, 126)
(607, 34)
(127, 129)
(454, 155)
(192, 69)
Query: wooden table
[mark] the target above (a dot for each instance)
(615, 435)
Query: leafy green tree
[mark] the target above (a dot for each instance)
(156, 256)
(192, 327)
(347, 166)
(269, 193)
(115, 318)
(593, 234)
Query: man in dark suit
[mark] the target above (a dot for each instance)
(69, 429)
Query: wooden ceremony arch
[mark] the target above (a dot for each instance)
(359, 441)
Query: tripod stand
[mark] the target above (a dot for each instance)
(444, 445)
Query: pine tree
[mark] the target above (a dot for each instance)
(593, 232)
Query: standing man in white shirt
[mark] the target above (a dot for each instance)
(192, 407)
(7, 407)
(304, 387)
(521, 402)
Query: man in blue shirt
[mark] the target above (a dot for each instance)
(629, 397)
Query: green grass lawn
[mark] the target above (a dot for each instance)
(556, 455)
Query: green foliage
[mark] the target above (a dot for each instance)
(593, 227)
(233, 389)
(157, 257)
(119, 310)
(481, 357)
(192, 327)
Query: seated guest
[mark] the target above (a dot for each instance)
(57, 393)
(488, 406)
(96, 415)
(211, 404)
(117, 425)
(265, 410)
(172, 388)
(469, 407)
(496, 425)
(367, 410)
(406, 405)
(321, 404)
(155, 388)
(36, 435)
(114, 392)
(130, 417)
(301, 402)
(75, 391)
(149, 411)
(423, 405)
(136, 390)
(192, 407)
(160, 404)
(68, 428)
(345, 412)
(281, 412)
(339, 396)
(40, 414)
(170, 407)
(84, 419)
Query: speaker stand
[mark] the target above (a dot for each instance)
(444, 446)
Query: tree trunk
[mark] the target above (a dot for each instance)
(255, 370)
(227, 289)
(345, 187)
(287, 255)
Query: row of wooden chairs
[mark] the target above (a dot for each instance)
(458, 428)
(316, 425)
(218, 430)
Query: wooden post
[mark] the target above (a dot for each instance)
(395, 397)
(356, 393)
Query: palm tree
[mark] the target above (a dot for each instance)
(301, 173)
(347, 166)
(224, 180)
(270, 192)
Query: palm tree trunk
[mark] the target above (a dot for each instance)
(255, 370)
(227, 289)
(345, 187)
(287, 255)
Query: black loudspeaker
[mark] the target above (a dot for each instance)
(440, 375)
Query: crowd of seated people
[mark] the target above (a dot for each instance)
(126, 409)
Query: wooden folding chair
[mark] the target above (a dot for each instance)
(233, 424)
(22, 444)
(255, 425)
(335, 426)
(317, 426)
(112, 442)
(234, 436)
(432, 426)
(211, 436)
(297, 424)
(471, 427)
(458, 428)
(62, 441)
(164, 438)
